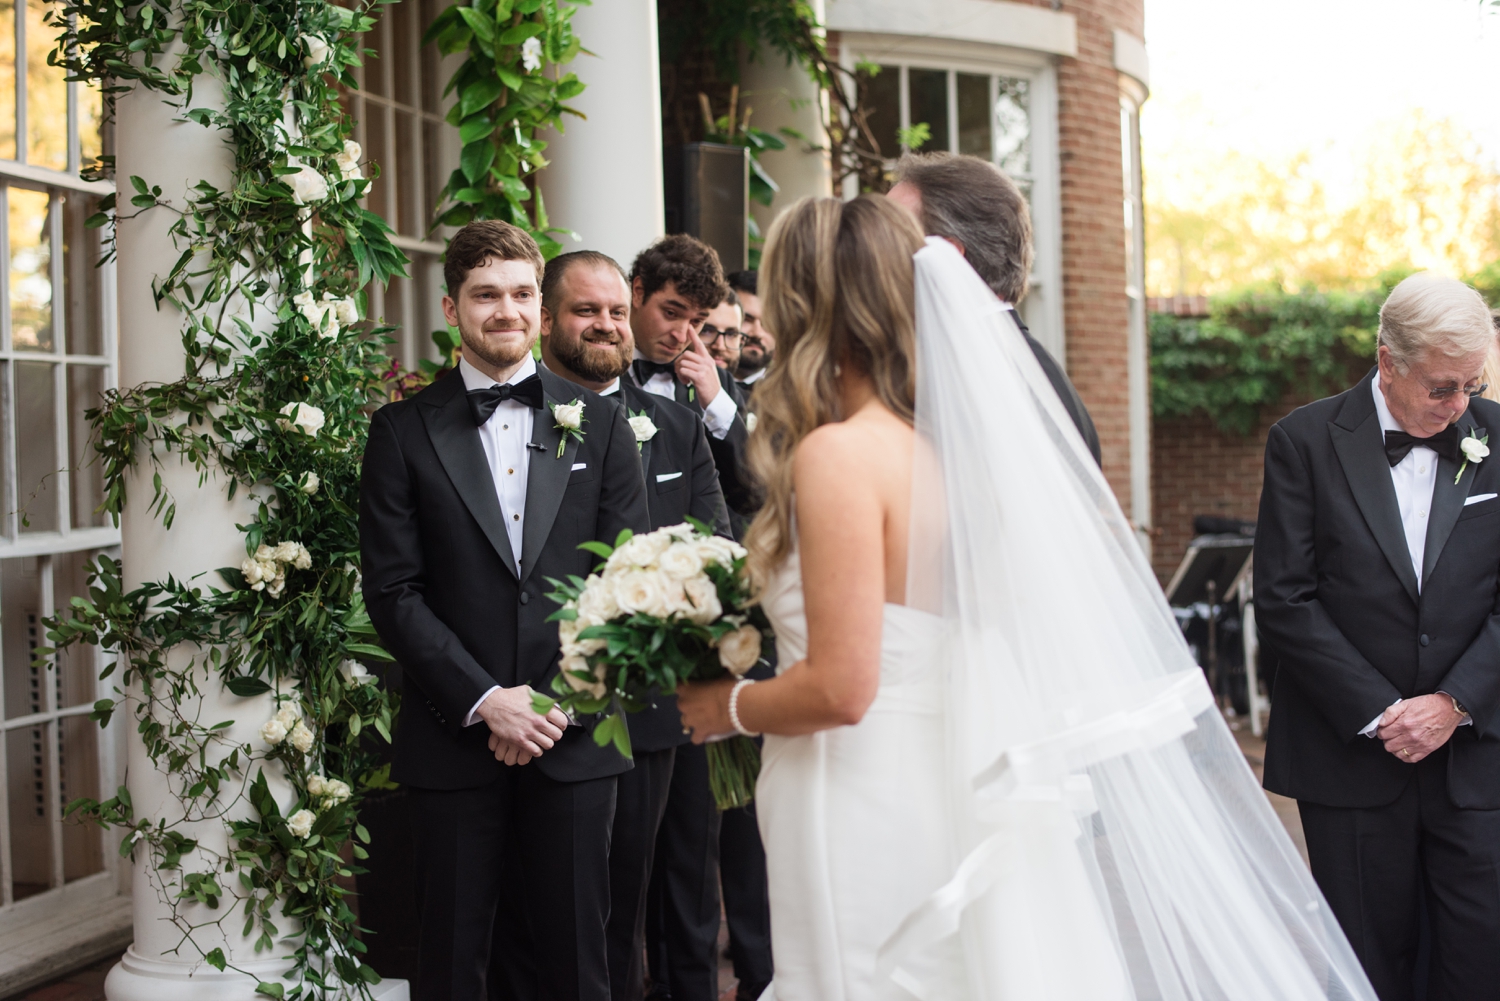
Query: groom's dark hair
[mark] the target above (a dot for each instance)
(688, 263)
(971, 201)
(487, 240)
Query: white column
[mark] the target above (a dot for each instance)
(176, 155)
(604, 181)
(784, 96)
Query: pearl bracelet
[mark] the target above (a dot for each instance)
(734, 713)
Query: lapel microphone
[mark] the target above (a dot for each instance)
(536, 446)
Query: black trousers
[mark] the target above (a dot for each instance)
(641, 801)
(533, 853)
(747, 900)
(1378, 866)
(682, 913)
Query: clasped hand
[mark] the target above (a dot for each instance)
(1416, 727)
(518, 732)
(705, 708)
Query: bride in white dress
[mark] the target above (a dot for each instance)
(992, 770)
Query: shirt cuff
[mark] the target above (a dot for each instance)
(718, 416)
(1369, 731)
(473, 716)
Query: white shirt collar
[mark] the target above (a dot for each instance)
(1382, 409)
(475, 379)
(755, 377)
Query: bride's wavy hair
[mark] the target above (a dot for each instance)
(837, 289)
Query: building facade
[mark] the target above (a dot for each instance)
(1049, 90)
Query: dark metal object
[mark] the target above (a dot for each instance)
(708, 196)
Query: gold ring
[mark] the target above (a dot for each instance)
(1406, 752)
(687, 729)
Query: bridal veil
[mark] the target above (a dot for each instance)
(1110, 841)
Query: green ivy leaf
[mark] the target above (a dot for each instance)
(246, 687)
(475, 160)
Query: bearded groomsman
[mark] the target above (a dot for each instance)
(474, 492)
(1377, 591)
(586, 339)
(758, 345)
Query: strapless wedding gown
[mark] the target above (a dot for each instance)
(854, 818)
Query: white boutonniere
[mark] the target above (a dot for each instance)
(1474, 449)
(643, 427)
(569, 418)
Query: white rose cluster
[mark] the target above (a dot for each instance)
(266, 569)
(300, 823)
(327, 315)
(331, 792)
(348, 161)
(661, 574)
(287, 726)
(304, 417)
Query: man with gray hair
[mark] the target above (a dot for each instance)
(970, 203)
(1377, 597)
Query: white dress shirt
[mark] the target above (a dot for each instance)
(755, 377)
(1415, 480)
(718, 416)
(505, 437)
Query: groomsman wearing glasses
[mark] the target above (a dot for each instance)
(757, 345)
(721, 333)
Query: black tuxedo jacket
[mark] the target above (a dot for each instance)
(680, 482)
(1071, 401)
(440, 579)
(729, 452)
(1338, 607)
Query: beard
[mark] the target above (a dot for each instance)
(499, 355)
(753, 360)
(585, 358)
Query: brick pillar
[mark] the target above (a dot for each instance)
(1093, 240)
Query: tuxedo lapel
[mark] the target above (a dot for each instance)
(1448, 496)
(547, 473)
(1360, 446)
(450, 427)
(648, 407)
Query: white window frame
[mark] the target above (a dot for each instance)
(62, 904)
(1138, 344)
(1043, 306)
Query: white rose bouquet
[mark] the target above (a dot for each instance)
(664, 608)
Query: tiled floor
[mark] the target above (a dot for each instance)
(88, 984)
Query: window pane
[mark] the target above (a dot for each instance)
(409, 203)
(82, 296)
(77, 670)
(20, 629)
(406, 34)
(46, 96)
(36, 446)
(974, 115)
(929, 103)
(432, 84)
(1013, 127)
(8, 79)
(433, 178)
(30, 827)
(375, 61)
(85, 387)
(884, 93)
(90, 122)
(375, 132)
(30, 271)
(78, 760)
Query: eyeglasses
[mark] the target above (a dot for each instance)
(731, 338)
(1444, 392)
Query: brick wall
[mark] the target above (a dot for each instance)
(1093, 243)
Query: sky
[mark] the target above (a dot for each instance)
(1272, 77)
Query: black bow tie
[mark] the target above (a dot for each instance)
(1398, 444)
(482, 402)
(644, 370)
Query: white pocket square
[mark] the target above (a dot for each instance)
(664, 477)
(584, 465)
(1479, 497)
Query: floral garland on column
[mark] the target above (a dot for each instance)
(274, 399)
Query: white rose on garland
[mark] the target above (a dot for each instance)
(309, 483)
(355, 673)
(348, 161)
(304, 417)
(317, 51)
(272, 732)
(307, 186)
(331, 791)
(301, 823)
(301, 738)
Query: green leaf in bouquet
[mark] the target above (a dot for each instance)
(626, 534)
(562, 614)
(700, 527)
(541, 704)
(599, 549)
(613, 729)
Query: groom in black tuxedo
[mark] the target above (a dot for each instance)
(586, 339)
(474, 492)
(1377, 593)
